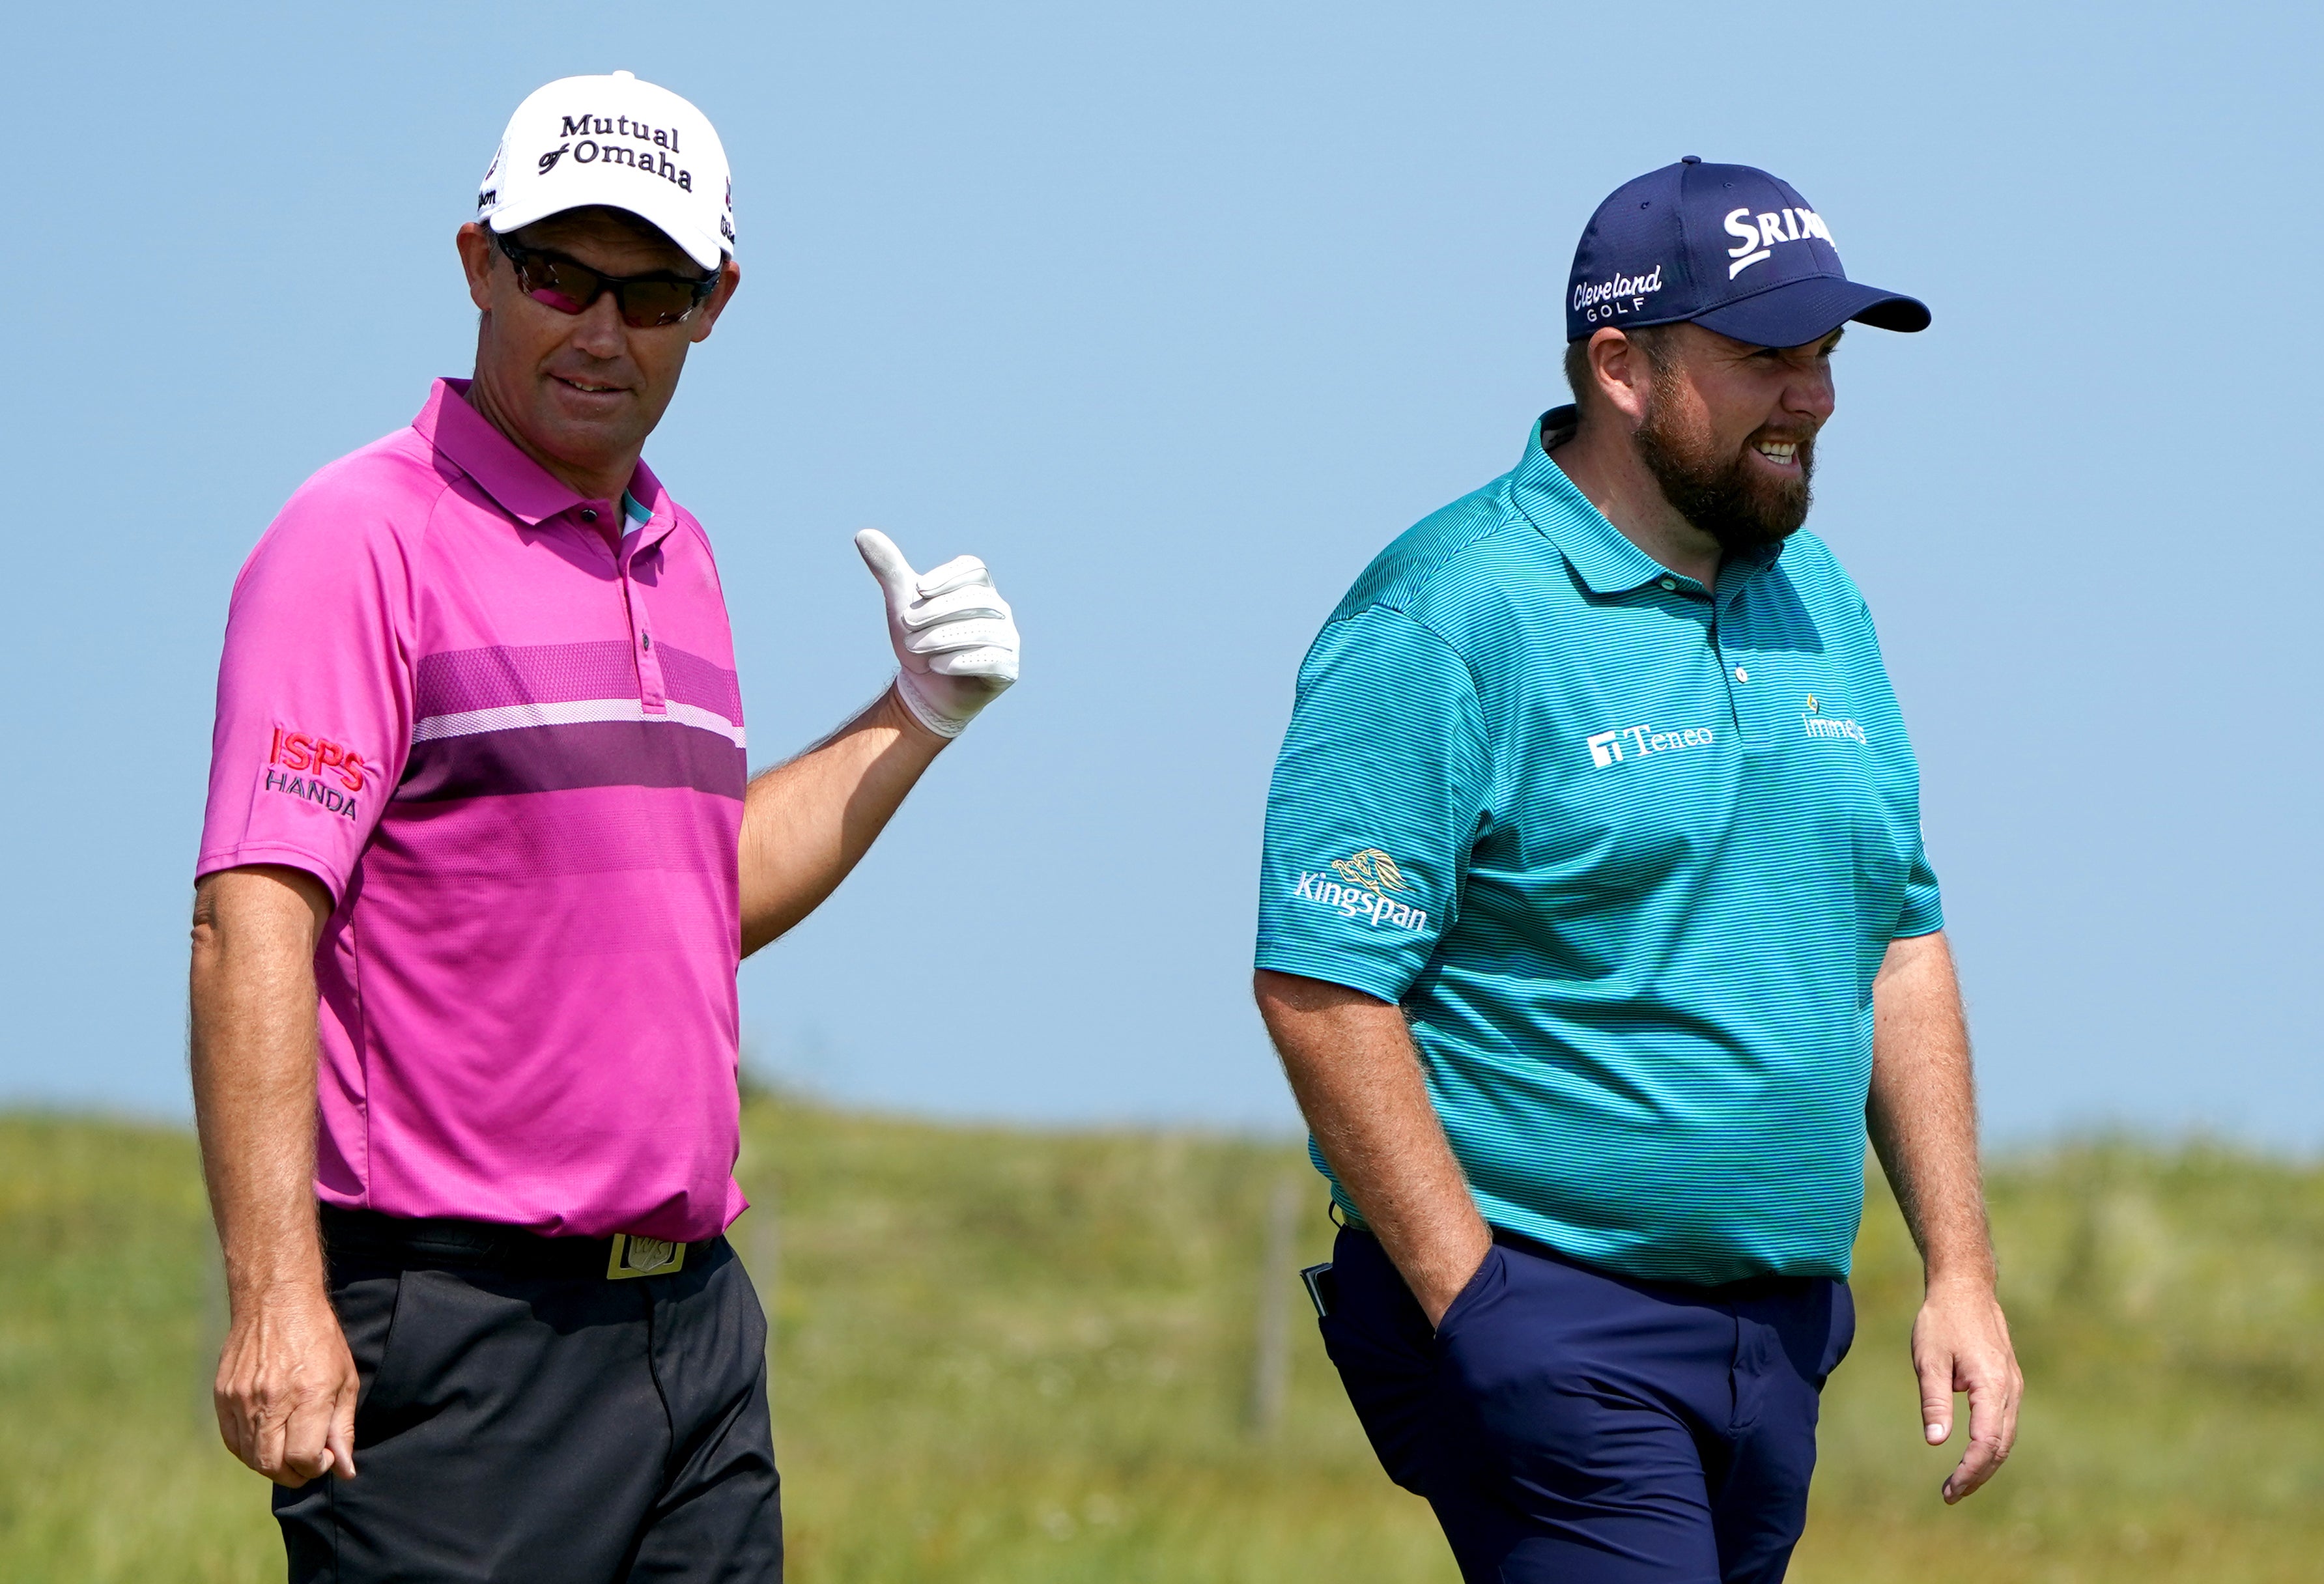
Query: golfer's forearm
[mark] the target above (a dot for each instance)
(253, 1056)
(1358, 1081)
(807, 823)
(1922, 1112)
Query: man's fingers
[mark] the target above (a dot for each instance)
(959, 635)
(250, 1432)
(306, 1437)
(1992, 1428)
(233, 1425)
(887, 564)
(268, 1436)
(996, 665)
(1976, 1465)
(960, 571)
(975, 599)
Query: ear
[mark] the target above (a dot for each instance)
(1623, 376)
(476, 262)
(730, 280)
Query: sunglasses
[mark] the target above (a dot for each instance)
(569, 286)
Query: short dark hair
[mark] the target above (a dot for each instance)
(1653, 340)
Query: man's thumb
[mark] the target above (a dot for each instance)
(339, 1442)
(1936, 1405)
(887, 564)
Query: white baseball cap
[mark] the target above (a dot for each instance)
(617, 142)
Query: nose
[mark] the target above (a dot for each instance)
(1810, 393)
(598, 330)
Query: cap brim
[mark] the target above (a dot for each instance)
(697, 244)
(1800, 311)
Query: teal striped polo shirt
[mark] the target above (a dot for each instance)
(1629, 853)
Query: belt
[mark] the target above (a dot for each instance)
(408, 1240)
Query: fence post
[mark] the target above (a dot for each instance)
(1270, 1369)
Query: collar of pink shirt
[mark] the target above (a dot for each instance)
(519, 485)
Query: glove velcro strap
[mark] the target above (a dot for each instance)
(946, 726)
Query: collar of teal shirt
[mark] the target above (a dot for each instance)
(1601, 555)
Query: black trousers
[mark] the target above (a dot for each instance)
(519, 1426)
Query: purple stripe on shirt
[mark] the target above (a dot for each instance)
(587, 753)
(690, 679)
(455, 681)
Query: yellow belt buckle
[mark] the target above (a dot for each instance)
(634, 1256)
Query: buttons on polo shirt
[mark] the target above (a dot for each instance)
(1742, 675)
(588, 514)
(1670, 585)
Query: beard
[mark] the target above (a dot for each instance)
(1719, 493)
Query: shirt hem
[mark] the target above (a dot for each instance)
(585, 1223)
(1646, 1262)
(1503, 1217)
(278, 853)
(1388, 988)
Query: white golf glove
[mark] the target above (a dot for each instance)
(954, 635)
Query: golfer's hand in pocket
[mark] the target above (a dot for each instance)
(286, 1387)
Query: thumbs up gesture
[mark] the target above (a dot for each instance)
(954, 635)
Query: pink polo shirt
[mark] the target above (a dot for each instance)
(507, 736)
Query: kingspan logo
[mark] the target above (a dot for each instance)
(1362, 890)
(1613, 747)
(1624, 294)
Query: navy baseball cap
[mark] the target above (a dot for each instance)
(1728, 247)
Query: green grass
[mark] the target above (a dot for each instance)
(1023, 1357)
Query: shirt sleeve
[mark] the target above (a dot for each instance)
(1922, 911)
(1925, 909)
(1374, 806)
(314, 699)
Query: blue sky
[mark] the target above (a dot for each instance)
(1176, 315)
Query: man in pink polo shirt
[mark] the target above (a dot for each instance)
(480, 859)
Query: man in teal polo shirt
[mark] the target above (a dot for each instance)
(1596, 930)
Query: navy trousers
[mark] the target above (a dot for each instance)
(1571, 1426)
(526, 1428)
